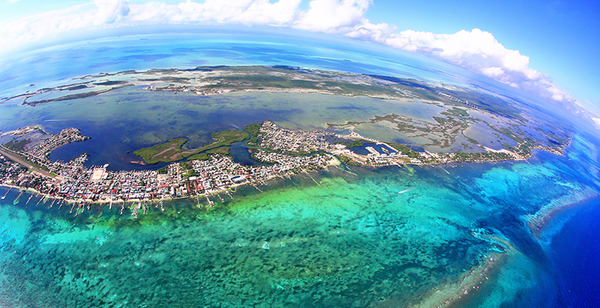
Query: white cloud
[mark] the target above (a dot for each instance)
(110, 11)
(35, 27)
(475, 50)
(333, 15)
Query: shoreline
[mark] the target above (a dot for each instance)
(34, 191)
(535, 222)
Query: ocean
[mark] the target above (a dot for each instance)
(574, 252)
(337, 238)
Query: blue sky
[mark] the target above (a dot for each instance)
(542, 46)
(561, 38)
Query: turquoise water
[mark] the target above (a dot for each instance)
(346, 240)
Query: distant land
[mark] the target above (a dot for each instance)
(466, 109)
(211, 80)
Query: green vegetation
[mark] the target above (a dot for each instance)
(18, 145)
(345, 159)
(163, 170)
(485, 102)
(508, 133)
(110, 82)
(450, 121)
(253, 129)
(166, 152)
(222, 151)
(473, 141)
(403, 149)
(485, 156)
(77, 87)
(171, 150)
(347, 123)
(72, 96)
(199, 156)
(260, 77)
(185, 165)
(524, 148)
(253, 140)
(225, 138)
(457, 112)
(353, 144)
(356, 143)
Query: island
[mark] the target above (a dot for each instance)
(208, 171)
(172, 150)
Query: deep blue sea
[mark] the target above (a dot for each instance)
(575, 252)
(344, 238)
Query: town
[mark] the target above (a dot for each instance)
(73, 183)
(282, 152)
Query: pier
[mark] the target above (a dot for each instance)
(4, 197)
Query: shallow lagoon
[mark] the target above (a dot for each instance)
(131, 118)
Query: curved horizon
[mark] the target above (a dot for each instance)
(476, 50)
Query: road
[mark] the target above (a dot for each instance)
(22, 161)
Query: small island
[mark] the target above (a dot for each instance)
(171, 150)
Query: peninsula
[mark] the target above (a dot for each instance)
(172, 150)
(208, 173)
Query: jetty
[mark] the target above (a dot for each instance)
(209, 201)
(4, 197)
(17, 199)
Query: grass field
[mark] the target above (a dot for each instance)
(199, 156)
(221, 150)
(166, 152)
